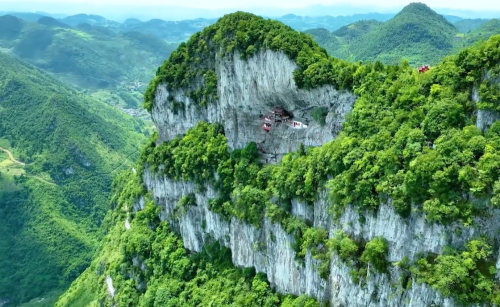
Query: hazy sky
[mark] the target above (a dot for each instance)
(221, 4)
(189, 9)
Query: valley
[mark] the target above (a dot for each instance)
(52, 205)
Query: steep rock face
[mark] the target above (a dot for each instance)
(248, 89)
(268, 249)
(485, 118)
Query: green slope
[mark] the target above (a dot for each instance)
(483, 32)
(417, 34)
(410, 137)
(357, 29)
(52, 207)
(113, 67)
(466, 25)
(339, 43)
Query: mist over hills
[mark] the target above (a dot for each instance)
(146, 11)
(173, 30)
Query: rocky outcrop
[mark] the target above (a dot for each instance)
(248, 89)
(485, 118)
(268, 248)
(109, 284)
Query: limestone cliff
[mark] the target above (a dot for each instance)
(485, 117)
(247, 89)
(268, 249)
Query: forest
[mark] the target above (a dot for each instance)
(52, 205)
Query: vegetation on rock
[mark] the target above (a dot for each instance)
(149, 266)
(410, 139)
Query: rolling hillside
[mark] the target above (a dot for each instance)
(417, 34)
(483, 32)
(114, 67)
(60, 151)
(466, 25)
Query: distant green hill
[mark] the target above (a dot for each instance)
(94, 20)
(331, 23)
(466, 25)
(339, 42)
(335, 45)
(357, 29)
(113, 67)
(54, 198)
(483, 32)
(417, 34)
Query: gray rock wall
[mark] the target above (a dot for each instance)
(247, 89)
(269, 249)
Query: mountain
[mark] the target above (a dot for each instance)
(93, 20)
(452, 19)
(173, 31)
(466, 25)
(178, 31)
(346, 184)
(338, 42)
(409, 35)
(483, 32)
(52, 22)
(59, 152)
(417, 34)
(357, 29)
(303, 23)
(114, 67)
(181, 30)
(32, 17)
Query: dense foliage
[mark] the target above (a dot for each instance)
(51, 208)
(467, 275)
(149, 266)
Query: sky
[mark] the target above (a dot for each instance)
(224, 4)
(178, 10)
